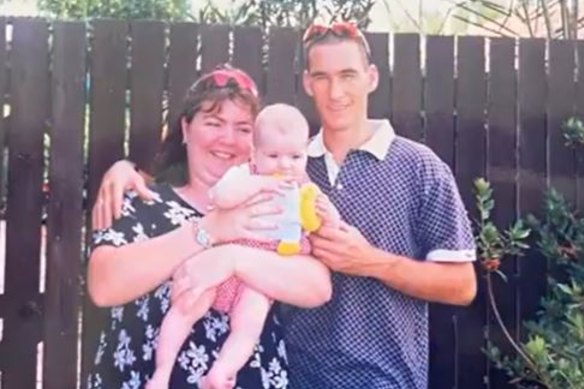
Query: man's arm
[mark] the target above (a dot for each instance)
(345, 250)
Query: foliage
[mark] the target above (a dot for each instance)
(492, 244)
(286, 13)
(552, 19)
(555, 343)
(118, 9)
(573, 130)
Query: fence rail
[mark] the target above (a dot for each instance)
(488, 107)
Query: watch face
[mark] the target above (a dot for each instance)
(202, 237)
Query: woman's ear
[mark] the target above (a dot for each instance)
(306, 83)
(184, 129)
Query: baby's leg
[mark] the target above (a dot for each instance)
(175, 328)
(247, 321)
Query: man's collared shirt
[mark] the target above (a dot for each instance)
(404, 200)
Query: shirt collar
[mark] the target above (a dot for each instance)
(377, 145)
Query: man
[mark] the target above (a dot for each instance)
(405, 240)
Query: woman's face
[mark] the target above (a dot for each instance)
(217, 140)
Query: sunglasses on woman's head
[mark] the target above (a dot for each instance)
(348, 30)
(222, 78)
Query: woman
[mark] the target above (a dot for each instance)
(133, 260)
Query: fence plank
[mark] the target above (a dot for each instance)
(3, 121)
(470, 164)
(147, 85)
(532, 164)
(30, 92)
(579, 112)
(561, 97)
(281, 75)
(439, 97)
(248, 53)
(502, 170)
(380, 100)
(214, 46)
(439, 134)
(182, 66)
(65, 207)
(407, 86)
(106, 136)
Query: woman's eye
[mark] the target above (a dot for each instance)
(213, 124)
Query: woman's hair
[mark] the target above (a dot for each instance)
(208, 93)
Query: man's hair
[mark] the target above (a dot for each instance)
(329, 37)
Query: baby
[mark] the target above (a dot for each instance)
(280, 138)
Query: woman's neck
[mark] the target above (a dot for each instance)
(340, 142)
(196, 193)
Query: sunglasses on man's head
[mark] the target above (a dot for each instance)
(349, 30)
(222, 78)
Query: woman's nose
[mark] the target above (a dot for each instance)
(228, 135)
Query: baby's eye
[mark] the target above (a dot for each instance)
(297, 156)
(273, 156)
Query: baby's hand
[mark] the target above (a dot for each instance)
(327, 211)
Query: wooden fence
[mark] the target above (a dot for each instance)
(488, 107)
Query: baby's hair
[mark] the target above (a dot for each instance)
(281, 118)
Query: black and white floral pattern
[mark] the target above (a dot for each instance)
(125, 347)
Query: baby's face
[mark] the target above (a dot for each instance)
(281, 153)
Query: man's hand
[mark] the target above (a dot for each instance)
(342, 248)
(119, 178)
(326, 210)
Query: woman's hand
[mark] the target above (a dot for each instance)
(120, 177)
(204, 271)
(247, 221)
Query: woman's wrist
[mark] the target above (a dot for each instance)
(205, 232)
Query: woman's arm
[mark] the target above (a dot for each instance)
(299, 280)
(117, 275)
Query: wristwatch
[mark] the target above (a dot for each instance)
(201, 236)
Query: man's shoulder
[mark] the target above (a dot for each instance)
(404, 150)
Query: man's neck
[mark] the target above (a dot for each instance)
(339, 143)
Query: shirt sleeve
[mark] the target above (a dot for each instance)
(128, 228)
(445, 233)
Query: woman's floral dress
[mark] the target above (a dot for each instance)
(125, 354)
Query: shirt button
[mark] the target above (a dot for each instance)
(339, 186)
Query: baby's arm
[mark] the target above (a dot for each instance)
(238, 186)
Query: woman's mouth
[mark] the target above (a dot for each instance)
(222, 155)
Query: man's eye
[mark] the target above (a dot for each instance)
(245, 130)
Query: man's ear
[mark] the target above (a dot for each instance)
(306, 82)
(373, 75)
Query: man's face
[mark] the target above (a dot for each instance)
(339, 79)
